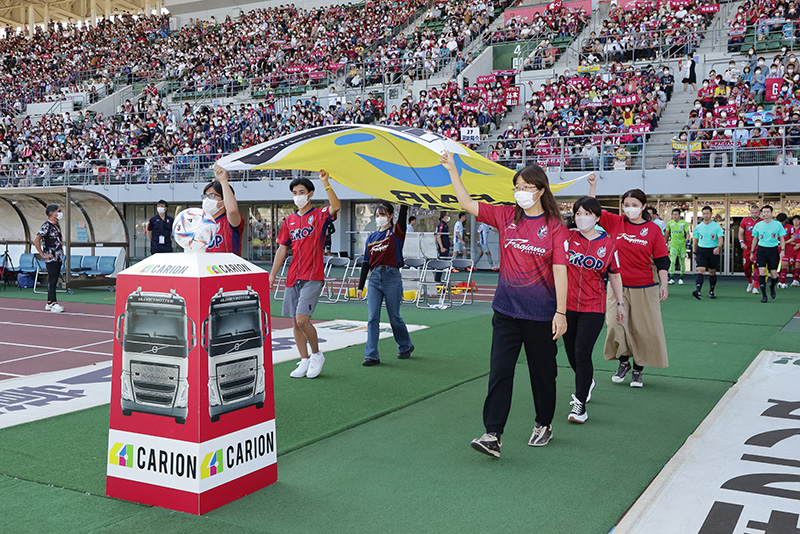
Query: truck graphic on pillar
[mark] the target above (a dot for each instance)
(233, 337)
(156, 336)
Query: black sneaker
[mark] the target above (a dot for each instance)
(712, 295)
(622, 371)
(541, 435)
(405, 355)
(487, 444)
(764, 297)
(772, 292)
(636, 379)
(369, 362)
(696, 294)
(578, 413)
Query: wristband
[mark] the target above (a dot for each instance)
(561, 313)
(328, 188)
(620, 304)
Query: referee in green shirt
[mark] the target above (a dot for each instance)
(677, 234)
(767, 236)
(708, 239)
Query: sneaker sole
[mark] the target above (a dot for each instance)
(539, 444)
(617, 380)
(577, 418)
(636, 385)
(488, 452)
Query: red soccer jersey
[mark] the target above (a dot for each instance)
(306, 235)
(227, 238)
(528, 250)
(748, 223)
(637, 246)
(790, 249)
(588, 260)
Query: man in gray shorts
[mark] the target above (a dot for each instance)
(304, 231)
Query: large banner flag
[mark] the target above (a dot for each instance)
(394, 163)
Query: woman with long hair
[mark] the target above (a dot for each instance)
(530, 303)
(640, 245)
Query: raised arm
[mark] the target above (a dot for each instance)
(332, 198)
(592, 179)
(402, 217)
(231, 206)
(466, 202)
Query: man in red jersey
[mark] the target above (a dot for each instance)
(304, 231)
(219, 203)
(746, 242)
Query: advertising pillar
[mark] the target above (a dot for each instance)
(192, 424)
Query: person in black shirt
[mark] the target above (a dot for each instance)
(442, 240)
(159, 229)
(48, 242)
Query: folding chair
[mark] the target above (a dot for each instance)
(412, 269)
(281, 279)
(41, 267)
(457, 282)
(353, 277)
(335, 287)
(432, 294)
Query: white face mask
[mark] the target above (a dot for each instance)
(211, 207)
(161, 210)
(585, 222)
(300, 201)
(632, 212)
(525, 199)
(381, 221)
(59, 215)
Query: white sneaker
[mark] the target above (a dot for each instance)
(591, 387)
(315, 366)
(302, 368)
(671, 281)
(56, 307)
(680, 281)
(755, 291)
(782, 286)
(749, 287)
(48, 307)
(796, 283)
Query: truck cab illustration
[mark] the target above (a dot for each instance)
(156, 336)
(233, 337)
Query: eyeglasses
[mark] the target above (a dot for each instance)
(212, 196)
(528, 188)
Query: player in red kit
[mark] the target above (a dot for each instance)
(305, 232)
(746, 242)
(792, 254)
(788, 254)
(219, 202)
(640, 244)
(590, 254)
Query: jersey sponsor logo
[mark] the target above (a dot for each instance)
(301, 233)
(542, 233)
(585, 261)
(380, 247)
(601, 252)
(632, 239)
(644, 231)
(523, 246)
(216, 242)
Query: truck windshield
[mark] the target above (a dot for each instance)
(235, 329)
(156, 330)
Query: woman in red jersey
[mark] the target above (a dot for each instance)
(530, 303)
(640, 244)
(590, 254)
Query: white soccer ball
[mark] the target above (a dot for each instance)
(193, 229)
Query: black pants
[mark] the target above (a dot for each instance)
(508, 337)
(439, 254)
(53, 272)
(583, 329)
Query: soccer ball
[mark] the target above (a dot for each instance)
(193, 229)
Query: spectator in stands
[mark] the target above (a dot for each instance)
(688, 73)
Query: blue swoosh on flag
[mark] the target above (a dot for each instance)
(436, 176)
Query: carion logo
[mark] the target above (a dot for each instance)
(231, 268)
(121, 455)
(212, 464)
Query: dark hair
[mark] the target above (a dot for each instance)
(217, 188)
(781, 217)
(412, 219)
(767, 207)
(652, 211)
(442, 215)
(707, 208)
(796, 218)
(162, 201)
(386, 207)
(305, 182)
(590, 204)
(678, 210)
(535, 175)
(462, 214)
(50, 209)
(639, 195)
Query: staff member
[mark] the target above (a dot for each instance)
(48, 242)
(159, 229)
(442, 240)
(640, 244)
(219, 203)
(769, 245)
(384, 257)
(530, 303)
(590, 254)
(707, 244)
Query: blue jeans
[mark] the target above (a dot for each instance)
(385, 283)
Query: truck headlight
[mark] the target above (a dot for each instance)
(127, 394)
(182, 398)
(260, 380)
(213, 398)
